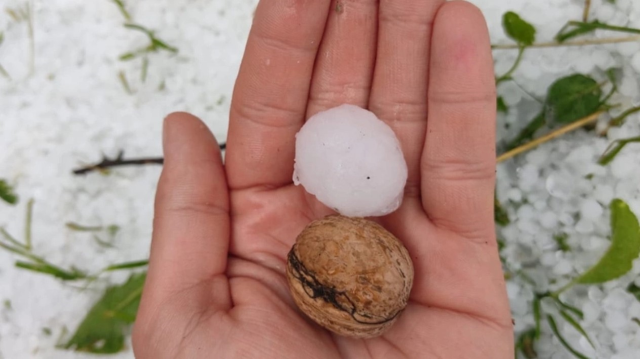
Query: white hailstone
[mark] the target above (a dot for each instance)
(514, 194)
(563, 267)
(591, 312)
(548, 220)
(617, 300)
(591, 209)
(351, 161)
(603, 194)
(615, 321)
(584, 226)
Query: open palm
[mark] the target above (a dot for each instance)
(216, 286)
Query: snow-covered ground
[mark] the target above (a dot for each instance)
(71, 107)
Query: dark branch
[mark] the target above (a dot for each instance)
(119, 161)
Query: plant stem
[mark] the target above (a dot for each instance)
(122, 9)
(27, 226)
(599, 25)
(556, 294)
(619, 120)
(513, 68)
(557, 133)
(570, 43)
(563, 341)
(120, 161)
(124, 82)
(614, 149)
(585, 13)
(107, 163)
(10, 238)
(78, 227)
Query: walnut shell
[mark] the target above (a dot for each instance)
(350, 275)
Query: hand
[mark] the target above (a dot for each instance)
(216, 286)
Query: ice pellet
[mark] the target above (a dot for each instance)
(351, 161)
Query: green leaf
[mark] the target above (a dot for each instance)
(123, 10)
(7, 193)
(123, 80)
(625, 247)
(502, 106)
(577, 326)
(526, 342)
(517, 29)
(500, 215)
(20, 247)
(614, 149)
(113, 229)
(102, 243)
(554, 328)
(139, 28)
(159, 44)
(577, 28)
(573, 29)
(52, 270)
(635, 290)
(527, 133)
(561, 241)
(82, 228)
(103, 329)
(129, 56)
(572, 98)
(128, 265)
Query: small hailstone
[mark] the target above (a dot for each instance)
(591, 209)
(622, 166)
(563, 267)
(617, 300)
(591, 312)
(615, 321)
(351, 161)
(603, 194)
(548, 220)
(595, 294)
(584, 226)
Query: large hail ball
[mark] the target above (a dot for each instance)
(351, 161)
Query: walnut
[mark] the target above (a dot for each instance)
(350, 275)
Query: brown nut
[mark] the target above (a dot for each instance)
(350, 275)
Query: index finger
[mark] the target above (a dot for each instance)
(459, 157)
(270, 98)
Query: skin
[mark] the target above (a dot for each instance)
(216, 286)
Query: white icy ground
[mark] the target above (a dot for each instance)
(73, 108)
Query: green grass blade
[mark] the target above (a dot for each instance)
(563, 341)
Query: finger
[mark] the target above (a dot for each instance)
(271, 91)
(399, 94)
(344, 67)
(191, 224)
(459, 158)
